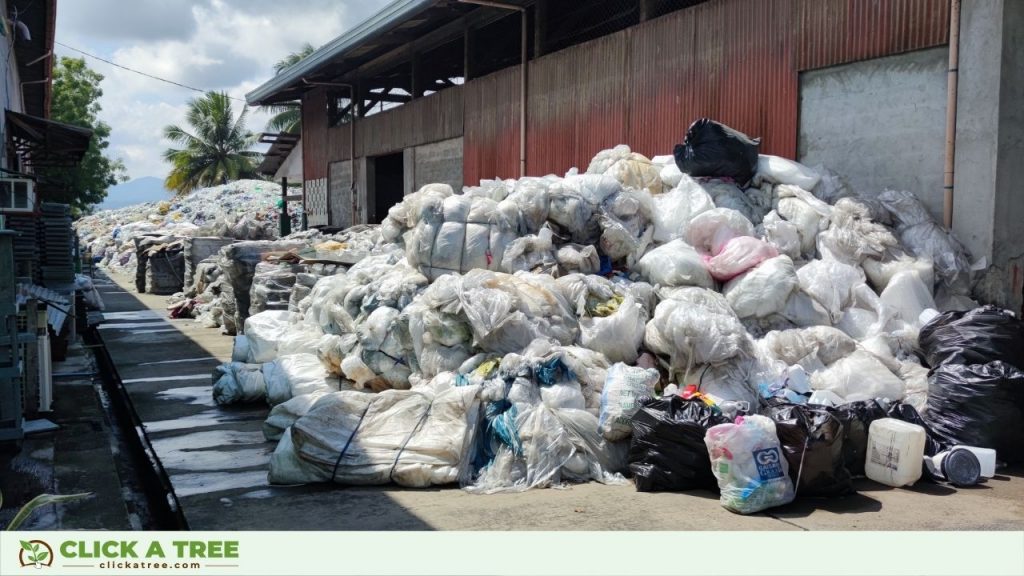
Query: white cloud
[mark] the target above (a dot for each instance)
(228, 45)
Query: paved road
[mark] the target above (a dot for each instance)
(217, 460)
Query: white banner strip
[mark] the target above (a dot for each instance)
(564, 553)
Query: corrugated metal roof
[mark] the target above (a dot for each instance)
(392, 16)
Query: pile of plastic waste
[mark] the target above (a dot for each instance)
(245, 209)
(718, 319)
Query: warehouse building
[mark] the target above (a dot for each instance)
(459, 91)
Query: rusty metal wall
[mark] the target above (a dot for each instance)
(835, 32)
(491, 136)
(429, 119)
(734, 60)
(315, 146)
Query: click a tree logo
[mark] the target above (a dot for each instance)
(35, 553)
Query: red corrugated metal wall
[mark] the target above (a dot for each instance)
(734, 60)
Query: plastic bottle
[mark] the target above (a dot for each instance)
(895, 452)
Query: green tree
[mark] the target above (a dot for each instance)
(215, 151)
(75, 100)
(288, 116)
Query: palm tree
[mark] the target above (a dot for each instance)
(216, 151)
(288, 117)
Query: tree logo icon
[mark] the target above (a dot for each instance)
(35, 553)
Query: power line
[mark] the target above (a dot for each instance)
(179, 84)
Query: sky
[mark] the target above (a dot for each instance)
(228, 45)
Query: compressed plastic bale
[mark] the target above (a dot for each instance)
(385, 348)
(240, 349)
(674, 210)
(748, 462)
(785, 236)
(695, 326)
(529, 252)
(831, 283)
(764, 290)
(924, 238)
(675, 264)
(738, 256)
(908, 296)
(881, 272)
(285, 414)
(714, 149)
(804, 311)
(624, 389)
(264, 332)
(332, 349)
(778, 170)
(728, 382)
(295, 375)
(628, 168)
(617, 336)
(710, 231)
(410, 438)
(575, 258)
(627, 226)
(238, 382)
(809, 347)
(507, 313)
(852, 236)
(670, 175)
(299, 340)
(859, 376)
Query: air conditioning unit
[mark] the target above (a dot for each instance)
(17, 195)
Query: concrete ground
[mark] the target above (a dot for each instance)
(216, 459)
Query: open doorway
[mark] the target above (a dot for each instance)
(388, 185)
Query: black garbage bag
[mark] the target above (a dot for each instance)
(667, 452)
(979, 405)
(812, 438)
(857, 418)
(714, 149)
(933, 443)
(979, 336)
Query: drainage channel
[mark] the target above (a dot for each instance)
(139, 468)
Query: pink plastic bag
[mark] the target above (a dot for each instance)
(738, 256)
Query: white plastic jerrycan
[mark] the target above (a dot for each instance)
(895, 452)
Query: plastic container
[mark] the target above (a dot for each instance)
(895, 452)
(986, 458)
(958, 466)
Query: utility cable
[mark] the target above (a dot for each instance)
(179, 84)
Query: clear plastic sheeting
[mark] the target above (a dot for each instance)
(762, 291)
(623, 392)
(675, 264)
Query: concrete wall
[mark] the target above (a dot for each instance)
(339, 194)
(440, 162)
(879, 123)
(988, 206)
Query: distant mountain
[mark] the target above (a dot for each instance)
(147, 189)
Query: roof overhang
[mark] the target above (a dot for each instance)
(43, 143)
(35, 55)
(288, 85)
(281, 146)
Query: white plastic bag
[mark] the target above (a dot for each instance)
(695, 326)
(830, 283)
(784, 235)
(764, 290)
(881, 272)
(624, 387)
(675, 264)
(238, 382)
(617, 336)
(295, 375)
(859, 376)
(747, 460)
(264, 331)
(908, 296)
(674, 210)
(778, 170)
(711, 230)
(738, 256)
